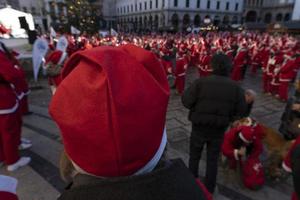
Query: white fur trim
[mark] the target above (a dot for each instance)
(286, 168)
(236, 154)
(244, 139)
(9, 110)
(182, 74)
(285, 80)
(8, 184)
(249, 122)
(154, 161)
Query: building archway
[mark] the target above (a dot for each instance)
(235, 20)
(197, 21)
(287, 17)
(186, 21)
(175, 21)
(268, 18)
(156, 22)
(279, 17)
(145, 22)
(150, 22)
(217, 20)
(226, 20)
(251, 16)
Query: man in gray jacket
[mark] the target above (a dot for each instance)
(214, 102)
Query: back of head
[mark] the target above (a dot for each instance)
(110, 123)
(221, 64)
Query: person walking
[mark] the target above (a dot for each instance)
(214, 102)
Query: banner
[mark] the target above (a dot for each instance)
(62, 44)
(40, 48)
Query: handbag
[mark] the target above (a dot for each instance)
(53, 70)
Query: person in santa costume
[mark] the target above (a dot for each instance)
(242, 146)
(8, 188)
(113, 132)
(180, 71)
(286, 75)
(291, 164)
(238, 63)
(10, 118)
(53, 65)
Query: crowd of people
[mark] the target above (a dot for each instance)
(124, 154)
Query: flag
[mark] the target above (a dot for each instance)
(113, 32)
(75, 31)
(40, 48)
(62, 44)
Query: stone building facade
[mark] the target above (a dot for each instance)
(176, 14)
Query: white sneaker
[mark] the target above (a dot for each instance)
(24, 146)
(20, 163)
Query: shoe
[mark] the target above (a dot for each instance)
(20, 163)
(26, 141)
(24, 146)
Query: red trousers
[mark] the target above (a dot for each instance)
(10, 133)
(24, 105)
(283, 90)
(237, 73)
(266, 82)
(294, 196)
(179, 83)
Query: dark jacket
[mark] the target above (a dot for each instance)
(214, 101)
(171, 181)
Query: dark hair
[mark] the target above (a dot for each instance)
(221, 64)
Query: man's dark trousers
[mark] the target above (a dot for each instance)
(213, 139)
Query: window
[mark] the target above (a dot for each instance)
(131, 8)
(227, 5)
(127, 9)
(135, 7)
(150, 4)
(187, 3)
(236, 6)
(208, 5)
(156, 3)
(218, 5)
(198, 3)
(140, 6)
(163, 3)
(175, 3)
(145, 5)
(24, 9)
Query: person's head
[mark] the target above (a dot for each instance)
(250, 96)
(221, 64)
(104, 107)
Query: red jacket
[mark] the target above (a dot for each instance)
(180, 67)
(287, 72)
(240, 58)
(231, 142)
(10, 85)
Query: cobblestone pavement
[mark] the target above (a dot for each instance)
(41, 181)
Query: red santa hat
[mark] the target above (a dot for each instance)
(8, 188)
(111, 109)
(56, 57)
(246, 134)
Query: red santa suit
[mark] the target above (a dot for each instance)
(204, 65)
(8, 188)
(286, 75)
(181, 66)
(274, 85)
(55, 58)
(238, 64)
(287, 162)
(10, 118)
(245, 136)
